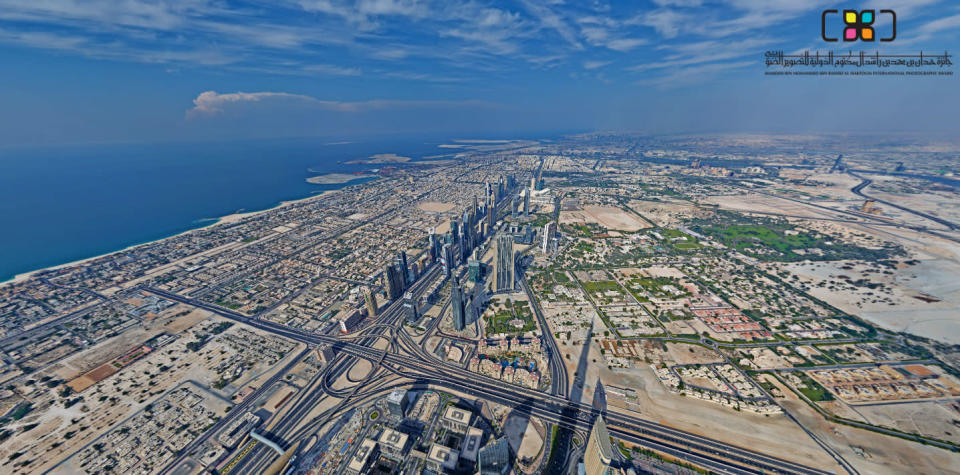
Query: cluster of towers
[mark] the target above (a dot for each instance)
(457, 246)
(465, 234)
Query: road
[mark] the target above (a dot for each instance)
(559, 410)
(865, 182)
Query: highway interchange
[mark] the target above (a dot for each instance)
(413, 367)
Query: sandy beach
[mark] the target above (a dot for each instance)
(335, 178)
(230, 218)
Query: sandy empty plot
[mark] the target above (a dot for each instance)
(83, 382)
(608, 220)
(435, 206)
(683, 353)
(667, 213)
(609, 217)
(612, 217)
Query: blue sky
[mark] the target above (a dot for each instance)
(156, 70)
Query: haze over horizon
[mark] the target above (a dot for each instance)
(105, 71)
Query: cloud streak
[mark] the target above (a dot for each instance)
(212, 103)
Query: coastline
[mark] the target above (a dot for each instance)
(227, 219)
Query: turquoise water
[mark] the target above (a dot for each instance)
(60, 204)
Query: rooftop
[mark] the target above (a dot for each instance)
(359, 460)
(456, 414)
(445, 456)
(471, 444)
(393, 439)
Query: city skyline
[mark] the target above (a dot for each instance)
(458, 237)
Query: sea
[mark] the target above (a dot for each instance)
(65, 203)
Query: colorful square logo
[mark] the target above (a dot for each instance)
(858, 25)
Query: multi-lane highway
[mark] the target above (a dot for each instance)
(555, 409)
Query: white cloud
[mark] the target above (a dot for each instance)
(212, 103)
(552, 21)
(596, 64)
(625, 44)
(331, 70)
(664, 21)
(693, 74)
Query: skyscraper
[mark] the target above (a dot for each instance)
(503, 264)
(446, 256)
(491, 215)
(494, 458)
(598, 453)
(393, 281)
(475, 270)
(371, 300)
(514, 206)
(434, 249)
(526, 203)
(549, 231)
(600, 397)
(455, 230)
(404, 269)
(410, 307)
(397, 402)
(456, 305)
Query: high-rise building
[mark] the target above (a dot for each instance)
(434, 249)
(393, 281)
(549, 231)
(475, 269)
(371, 301)
(533, 184)
(514, 206)
(397, 402)
(455, 230)
(598, 453)
(404, 268)
(456, 305)
(526, 203)
(503, 264)
(491, 215)
(410, 307)
(469, 311)
(494, 458)
(446, 257)
(600, 398)
(414, 272)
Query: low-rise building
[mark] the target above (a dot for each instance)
(366, 454)
(393, 443)
(441, 458)
(471, 444)
(456, 419)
